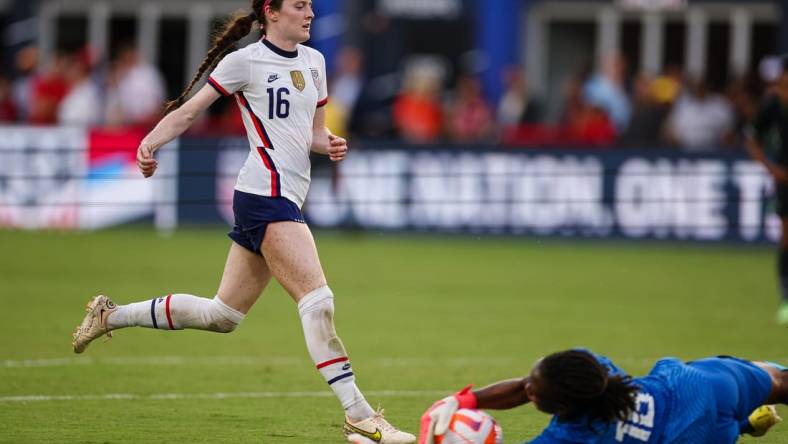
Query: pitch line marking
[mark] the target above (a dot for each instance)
(242, 360)
(386, 362)
(215, 396)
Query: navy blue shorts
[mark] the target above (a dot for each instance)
(253, 213)
(739, 388)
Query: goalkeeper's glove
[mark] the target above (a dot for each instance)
(435, 421)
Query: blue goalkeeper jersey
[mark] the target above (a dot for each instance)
(675, 404)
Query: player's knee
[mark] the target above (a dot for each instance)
(224, 326)
(318, 304)
(223, 318)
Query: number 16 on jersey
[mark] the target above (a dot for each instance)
(278, 103)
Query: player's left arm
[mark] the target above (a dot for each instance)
(324, 142)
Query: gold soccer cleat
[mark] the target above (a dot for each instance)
(355, 438)
(94, 324)
(378, 430)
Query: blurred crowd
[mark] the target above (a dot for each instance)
(607, 108)
(73, 90)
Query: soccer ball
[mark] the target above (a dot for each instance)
(469, 426)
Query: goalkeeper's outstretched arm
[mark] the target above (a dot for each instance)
(503, 395)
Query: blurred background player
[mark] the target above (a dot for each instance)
(281, 87)
(709, 401)
(770, 130)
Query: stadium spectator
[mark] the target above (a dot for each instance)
(605, 90)
(650, 108)
(665, 88)
(48, 90)
(417, 110)
(744, 103)
(468, 116)
(581, 122)
(7, 108)
(230, 121)
(25, 63)
(82, 105)
(135, 91)
(516, 105)
(346, 84)
(573, 105)
(593, 127)
(700, 120)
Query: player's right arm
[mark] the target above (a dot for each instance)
(756, 151)
(501, 395)
(171, 126)
(754, 142)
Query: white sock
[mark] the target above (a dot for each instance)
(176, 312)
(317, 318)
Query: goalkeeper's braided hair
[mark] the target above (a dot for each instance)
(573, 385)
(238, 27)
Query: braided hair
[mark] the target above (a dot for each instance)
(238, 27)
(573, 384)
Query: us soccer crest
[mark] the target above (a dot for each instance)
(298, 80)
(315, 76)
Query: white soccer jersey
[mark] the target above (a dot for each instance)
(278, 92)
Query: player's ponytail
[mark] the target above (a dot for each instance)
(234, 30)
(573, 384)
(616, 402)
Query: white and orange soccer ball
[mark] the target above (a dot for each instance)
(469, 426)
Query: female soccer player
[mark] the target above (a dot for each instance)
(280, 87)
(709, 401)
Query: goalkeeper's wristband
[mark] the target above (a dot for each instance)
(466, 398)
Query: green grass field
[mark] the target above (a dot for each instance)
(421, 316)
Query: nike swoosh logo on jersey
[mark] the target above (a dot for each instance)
(377, 436)
(272, 77)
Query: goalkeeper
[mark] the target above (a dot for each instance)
(708, 401)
